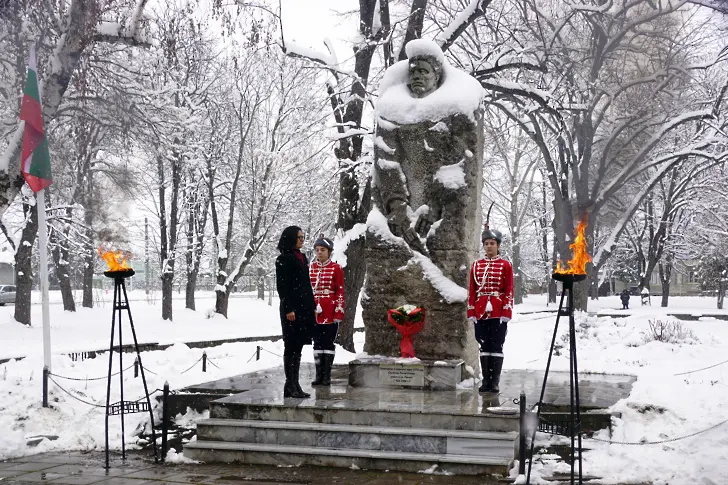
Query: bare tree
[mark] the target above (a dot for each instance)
(277, 122)
(587, 116)
(516, 159)
(65, 32)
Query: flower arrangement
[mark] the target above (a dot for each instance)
(408, 320)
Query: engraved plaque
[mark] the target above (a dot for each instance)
(409, 375)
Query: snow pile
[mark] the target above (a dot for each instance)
(76, 415)
(451, 176)
(677, 392)
(459, 93)
(377, 223)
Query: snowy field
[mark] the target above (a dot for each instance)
(674, 396)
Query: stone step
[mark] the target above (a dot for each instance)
(306, 411)
(411, 440)
(282, 455)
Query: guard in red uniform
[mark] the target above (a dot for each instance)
(327, 280)
(490, 306)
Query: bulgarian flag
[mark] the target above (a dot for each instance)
(36, 161)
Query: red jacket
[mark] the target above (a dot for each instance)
(490, 294)
(327, 280)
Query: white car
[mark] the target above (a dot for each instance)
(7, 294)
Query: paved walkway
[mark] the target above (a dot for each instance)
(76, 468)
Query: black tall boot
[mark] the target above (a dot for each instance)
(497, 366)
(328, 361)
(294, 377)
(485, 364)
(289, 388)
(319, 361)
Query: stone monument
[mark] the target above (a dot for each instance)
(423, 230)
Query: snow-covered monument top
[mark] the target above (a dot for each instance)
(457, 93)
(423, 229)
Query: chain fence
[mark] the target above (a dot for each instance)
(90, 378)
(561, 430)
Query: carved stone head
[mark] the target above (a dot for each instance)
(425, 74)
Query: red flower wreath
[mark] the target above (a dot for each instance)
(408, 320)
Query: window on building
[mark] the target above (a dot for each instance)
(692, 276)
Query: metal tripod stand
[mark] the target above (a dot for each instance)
(565, 310)
(121, 302)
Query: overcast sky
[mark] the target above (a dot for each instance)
(308, 22)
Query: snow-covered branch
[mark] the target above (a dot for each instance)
(635, 162)
(130, 33)
(474, 10)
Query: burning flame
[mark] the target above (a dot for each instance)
(116, 260)
(577, 264)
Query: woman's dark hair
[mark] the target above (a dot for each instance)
(288, 239)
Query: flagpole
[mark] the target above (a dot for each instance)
(43, 255)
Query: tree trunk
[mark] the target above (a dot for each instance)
(189, 254)
(190, 290)
(168, 229)
(552, 282)
(88, 266)
(581, 289)
(222, 298)
(665, 274)
(60, 261)
(594, 285)
(721, 293)
(354, 274)
(88, 282)
(167, 295)
(517, 278)
(261, 284)
(23, 267)
(644, 283)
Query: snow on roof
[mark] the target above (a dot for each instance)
(459, 93)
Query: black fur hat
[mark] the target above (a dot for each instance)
(489, 233)
(324, 242)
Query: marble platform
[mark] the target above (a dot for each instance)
(453, 431)
(393, 373)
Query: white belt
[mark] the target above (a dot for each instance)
(323, 292)
(492, 293)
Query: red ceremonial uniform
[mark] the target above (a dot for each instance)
(327, 280)
(491, 289)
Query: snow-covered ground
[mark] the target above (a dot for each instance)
(672, 397)
(89, 328)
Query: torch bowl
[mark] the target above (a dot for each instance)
(124, 273)
(568, 277)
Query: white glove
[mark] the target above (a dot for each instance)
(473, 319)
(504, 319)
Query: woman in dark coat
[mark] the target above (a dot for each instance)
(297, 307)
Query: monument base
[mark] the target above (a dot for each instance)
(398, 373)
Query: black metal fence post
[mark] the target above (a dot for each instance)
(45, 386)
(136, 368)
(522, 435)
(165, 419)
(204, 361)
(257, 352)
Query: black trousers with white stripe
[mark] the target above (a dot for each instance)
(491, 334)
(323, 338)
